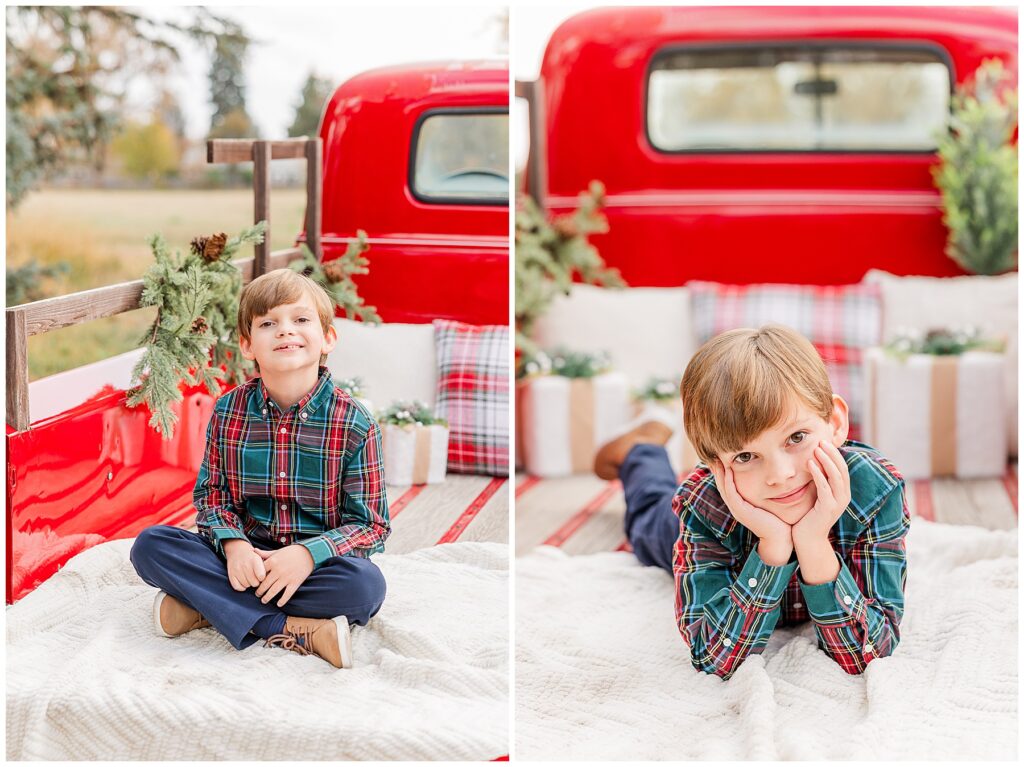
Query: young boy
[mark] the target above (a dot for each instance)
(783, 521)
(290, 498)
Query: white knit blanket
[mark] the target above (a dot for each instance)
(602, 673)
(88, 679)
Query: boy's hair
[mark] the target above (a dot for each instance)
(742, 382)
(281, 286)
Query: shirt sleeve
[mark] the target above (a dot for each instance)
(857, 616)
(365, 519)
(723, 618)
(216, 515)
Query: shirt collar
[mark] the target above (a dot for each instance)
(872, 479)
(309, 404)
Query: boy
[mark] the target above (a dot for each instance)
(784, 519)
(290, 498)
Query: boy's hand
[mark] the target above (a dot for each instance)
(245, 566)
(775, 536)
(287, 568)
(831, 478)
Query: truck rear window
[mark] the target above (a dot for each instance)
(461, 157)
(797, 98)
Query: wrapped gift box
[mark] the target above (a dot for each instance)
(563, 421)
(681, 454)
(415, 455)
(938, 415)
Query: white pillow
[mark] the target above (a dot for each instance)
(646, 331)
(989, 303)
(394, 360)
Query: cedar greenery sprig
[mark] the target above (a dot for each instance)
(658, 390)
(336, 277)
(941, 342)
(197, 311)
(353, 386)
(409, 413)
(562, 362)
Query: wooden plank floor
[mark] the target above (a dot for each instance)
(583, 514)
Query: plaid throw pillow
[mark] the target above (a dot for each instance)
(840, 320)
(472, 394)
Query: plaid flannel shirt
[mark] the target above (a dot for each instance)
(311, 475)
(728, 601)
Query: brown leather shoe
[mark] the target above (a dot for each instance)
(328, 638)
(611, 455)
(172, 617)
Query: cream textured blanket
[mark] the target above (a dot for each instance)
(602, 673)
(88, 679)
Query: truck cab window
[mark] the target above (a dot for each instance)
(797, 98)
(461, 157)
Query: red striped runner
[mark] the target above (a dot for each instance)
(624, 546)
(470, 513)
(405, 499)
(923, 505)
(526, 484)
(1010, 483)
(562, 534)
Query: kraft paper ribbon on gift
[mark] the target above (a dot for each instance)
(397, 472)
(937, 415)
(562, 421)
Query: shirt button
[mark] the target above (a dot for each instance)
(303, 415)
(284, 507)
(869, 648)
(797, 605)
(284, 430)
(847, 600)
(264, 411)
(284, 539)
(727, 642)
(282, 475)
(752, 582)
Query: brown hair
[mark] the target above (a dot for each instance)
(744, 381)
(281, 286)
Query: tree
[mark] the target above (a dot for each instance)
(68, 69)
(314, 96)
(227, 90)
(148, 152)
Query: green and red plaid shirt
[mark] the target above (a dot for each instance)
(311, 475)
(728, 601)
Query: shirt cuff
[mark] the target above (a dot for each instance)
(319, 548)
(760, 586)
(835, 600)
(221, 534)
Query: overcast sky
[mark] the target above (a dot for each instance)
(336, 43)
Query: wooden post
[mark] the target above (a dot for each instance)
(536, 178)
(261, 188)
(314, 195)
(17, 369)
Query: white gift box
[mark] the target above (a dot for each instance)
(563, 421)
(415, 455)
(937, 415)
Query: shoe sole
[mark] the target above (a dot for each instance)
(344, 641)
(157, 626)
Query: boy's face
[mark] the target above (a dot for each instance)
(288, 338)
(771, 470)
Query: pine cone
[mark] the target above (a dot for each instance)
(565, 227)
(214, 246)
(333, 270)
(199, 326)
(198, 245)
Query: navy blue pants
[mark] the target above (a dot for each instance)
(649, 485)
(186, 566)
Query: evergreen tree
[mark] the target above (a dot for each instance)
(227, 89)
(314, 96)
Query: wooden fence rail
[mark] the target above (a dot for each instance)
(75, 308)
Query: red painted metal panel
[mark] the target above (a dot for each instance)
(93, 474)
(812, 218)
(427, 260)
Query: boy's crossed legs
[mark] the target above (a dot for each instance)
(184, 565)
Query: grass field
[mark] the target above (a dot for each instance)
(102, 235)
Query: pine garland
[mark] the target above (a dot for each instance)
(564, 362)
(336, 277)
(197, 310)
(658, 389)
(409, 413)
(941, 342)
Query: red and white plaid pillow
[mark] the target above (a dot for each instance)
(472, 394)
(840, 320)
